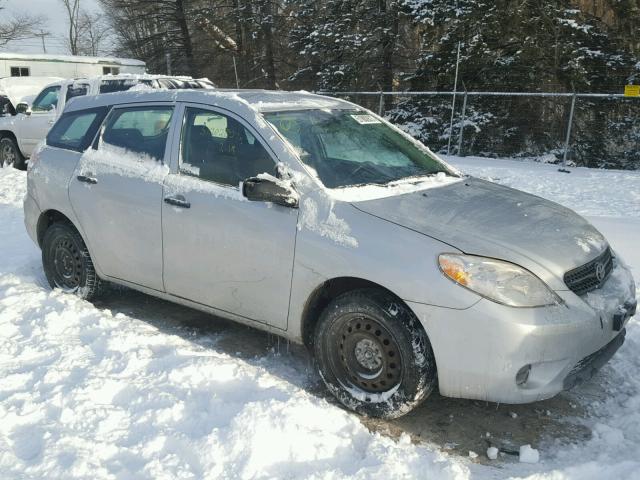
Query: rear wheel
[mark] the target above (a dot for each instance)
(373, 354)
(67, 263)
(10, 154)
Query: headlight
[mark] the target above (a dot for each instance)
(499, 281)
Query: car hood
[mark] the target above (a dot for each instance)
(483, 218)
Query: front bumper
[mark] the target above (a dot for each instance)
(480, 350)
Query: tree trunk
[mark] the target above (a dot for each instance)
(186, 38)
(267, 35)
(389, 35)
(241, 41)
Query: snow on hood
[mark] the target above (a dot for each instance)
(17, 88)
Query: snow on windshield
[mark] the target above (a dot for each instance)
(362, 193)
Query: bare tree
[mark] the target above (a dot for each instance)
(17, 27)
(73, 15)
(93, 34)
(152, 31)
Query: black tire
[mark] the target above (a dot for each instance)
(67, 263)
(373, 354)
(10, 154)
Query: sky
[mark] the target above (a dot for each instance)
(55, 23)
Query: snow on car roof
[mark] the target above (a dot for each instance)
(275, 100)
(257, 100)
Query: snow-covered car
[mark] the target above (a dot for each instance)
(20, 134)
(317, 220)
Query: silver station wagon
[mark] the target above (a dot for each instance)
(317, 220)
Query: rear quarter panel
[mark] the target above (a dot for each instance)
(48, 180)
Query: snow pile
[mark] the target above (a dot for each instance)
(14, 187)
(528, 454)
(492, 453)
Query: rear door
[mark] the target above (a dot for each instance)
(116, 193)
(219, 249)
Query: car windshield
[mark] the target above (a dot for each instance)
(352, 147)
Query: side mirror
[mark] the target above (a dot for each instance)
(269, 189)
(23, 107)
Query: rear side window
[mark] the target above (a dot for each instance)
(77, 90)
(76, 130)
(142, 130)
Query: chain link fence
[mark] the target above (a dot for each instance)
(584, 129)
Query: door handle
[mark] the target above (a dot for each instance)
(86, 179)
(177, 201)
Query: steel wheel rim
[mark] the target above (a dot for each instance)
(67, 264)
(365, 355)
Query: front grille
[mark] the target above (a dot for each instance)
(584, 279)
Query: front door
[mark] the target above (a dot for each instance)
(33, 128)
(116, 193)
(219, 249)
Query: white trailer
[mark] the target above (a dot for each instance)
(66, 66)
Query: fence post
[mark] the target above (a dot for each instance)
(381, 104)
(455, 91)
(566, 142)
(464, 113)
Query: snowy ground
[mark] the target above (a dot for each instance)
(138, 388)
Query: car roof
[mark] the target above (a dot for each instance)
(257, 100)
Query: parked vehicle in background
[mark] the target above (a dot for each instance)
(19, 135)
(66, 66)
(14, 90)
(315, 219)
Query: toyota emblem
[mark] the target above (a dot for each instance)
(600, 272)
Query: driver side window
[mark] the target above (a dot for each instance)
(217, 148)
(47, 100)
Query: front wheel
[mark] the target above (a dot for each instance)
(10, 154)
(67, 263)
(373, 354)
